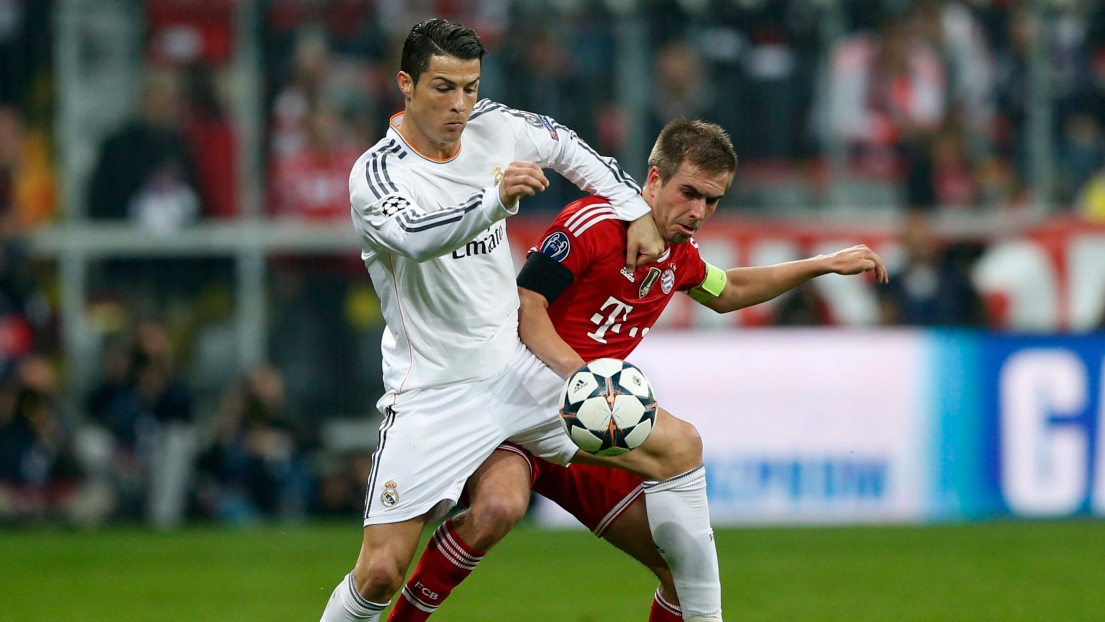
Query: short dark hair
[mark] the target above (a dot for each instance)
(705, 145)
(438, 37)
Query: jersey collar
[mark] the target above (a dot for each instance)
(393, 126)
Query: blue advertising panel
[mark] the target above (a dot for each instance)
(1027, 436)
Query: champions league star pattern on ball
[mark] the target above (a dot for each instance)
(607, 407)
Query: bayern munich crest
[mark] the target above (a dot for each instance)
(390, 496)
(667, 281)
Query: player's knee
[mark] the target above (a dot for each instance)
(493, 518)
(692, 445)
(377, 580)
(685, 448)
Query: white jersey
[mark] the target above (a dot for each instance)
(433, 238)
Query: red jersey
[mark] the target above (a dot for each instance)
(606, 310)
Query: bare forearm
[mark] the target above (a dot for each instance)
(751, 286)
(539, 335)
(745, 287)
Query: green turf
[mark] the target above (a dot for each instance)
(1001, 571)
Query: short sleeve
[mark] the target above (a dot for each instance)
(694, 272)
(579, 237)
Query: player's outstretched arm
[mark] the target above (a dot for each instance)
(536, 330)
(745, 287)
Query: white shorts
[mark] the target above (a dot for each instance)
(432, 440)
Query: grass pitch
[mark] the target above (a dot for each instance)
(996, 571)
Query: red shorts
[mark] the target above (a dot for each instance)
(595, 495)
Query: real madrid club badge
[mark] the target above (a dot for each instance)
(390, 496)
(498, 174)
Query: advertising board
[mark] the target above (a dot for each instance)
(850, 426)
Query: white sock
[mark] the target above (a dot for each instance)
(679, 517)
(347, 605)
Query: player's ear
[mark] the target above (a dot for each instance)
(653, 182)
(406, 84)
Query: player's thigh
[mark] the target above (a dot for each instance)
(500, 487)
(672, 448)
(430, 444)
(631, 533)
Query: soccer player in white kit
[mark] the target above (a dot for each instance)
(429, 201)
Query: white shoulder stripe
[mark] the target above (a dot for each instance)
(591, 214)
(575, 228)
(575, 217)
(593, 222)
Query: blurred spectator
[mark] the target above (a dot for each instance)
(887, 99)
(26, 199)
(952, 174)
(1012, 86)
(38, 474)
(146, 172)
(1091, 201)
(24, 310)
(998, 185)
(932, 288)
(324, 337)
(26, 176)
(293, 104)
(341, 484)
(802, 307)
(185, 31)
(1081, 154)
(1071, 87)
(957, 35)
(147, 409)
(312, 182)
(254, 468)
(211, 139)
(681, 90)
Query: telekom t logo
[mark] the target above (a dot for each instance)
(613, 321)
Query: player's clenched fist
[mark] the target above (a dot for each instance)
(857, 259)
(521, 179)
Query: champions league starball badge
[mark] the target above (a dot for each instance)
(390, 496)
(556, 246)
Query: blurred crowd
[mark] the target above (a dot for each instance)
(923, 106)
(907, 103)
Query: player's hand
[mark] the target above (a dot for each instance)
(521, 179)
(857, 259)
(644, 244)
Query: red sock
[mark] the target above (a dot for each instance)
(663, 611)
(446, 562)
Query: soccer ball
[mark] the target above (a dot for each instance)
(607, 407)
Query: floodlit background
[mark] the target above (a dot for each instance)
(187, 335)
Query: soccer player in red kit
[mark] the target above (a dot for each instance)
(579, 303)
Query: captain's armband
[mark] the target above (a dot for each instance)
(711, 286)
